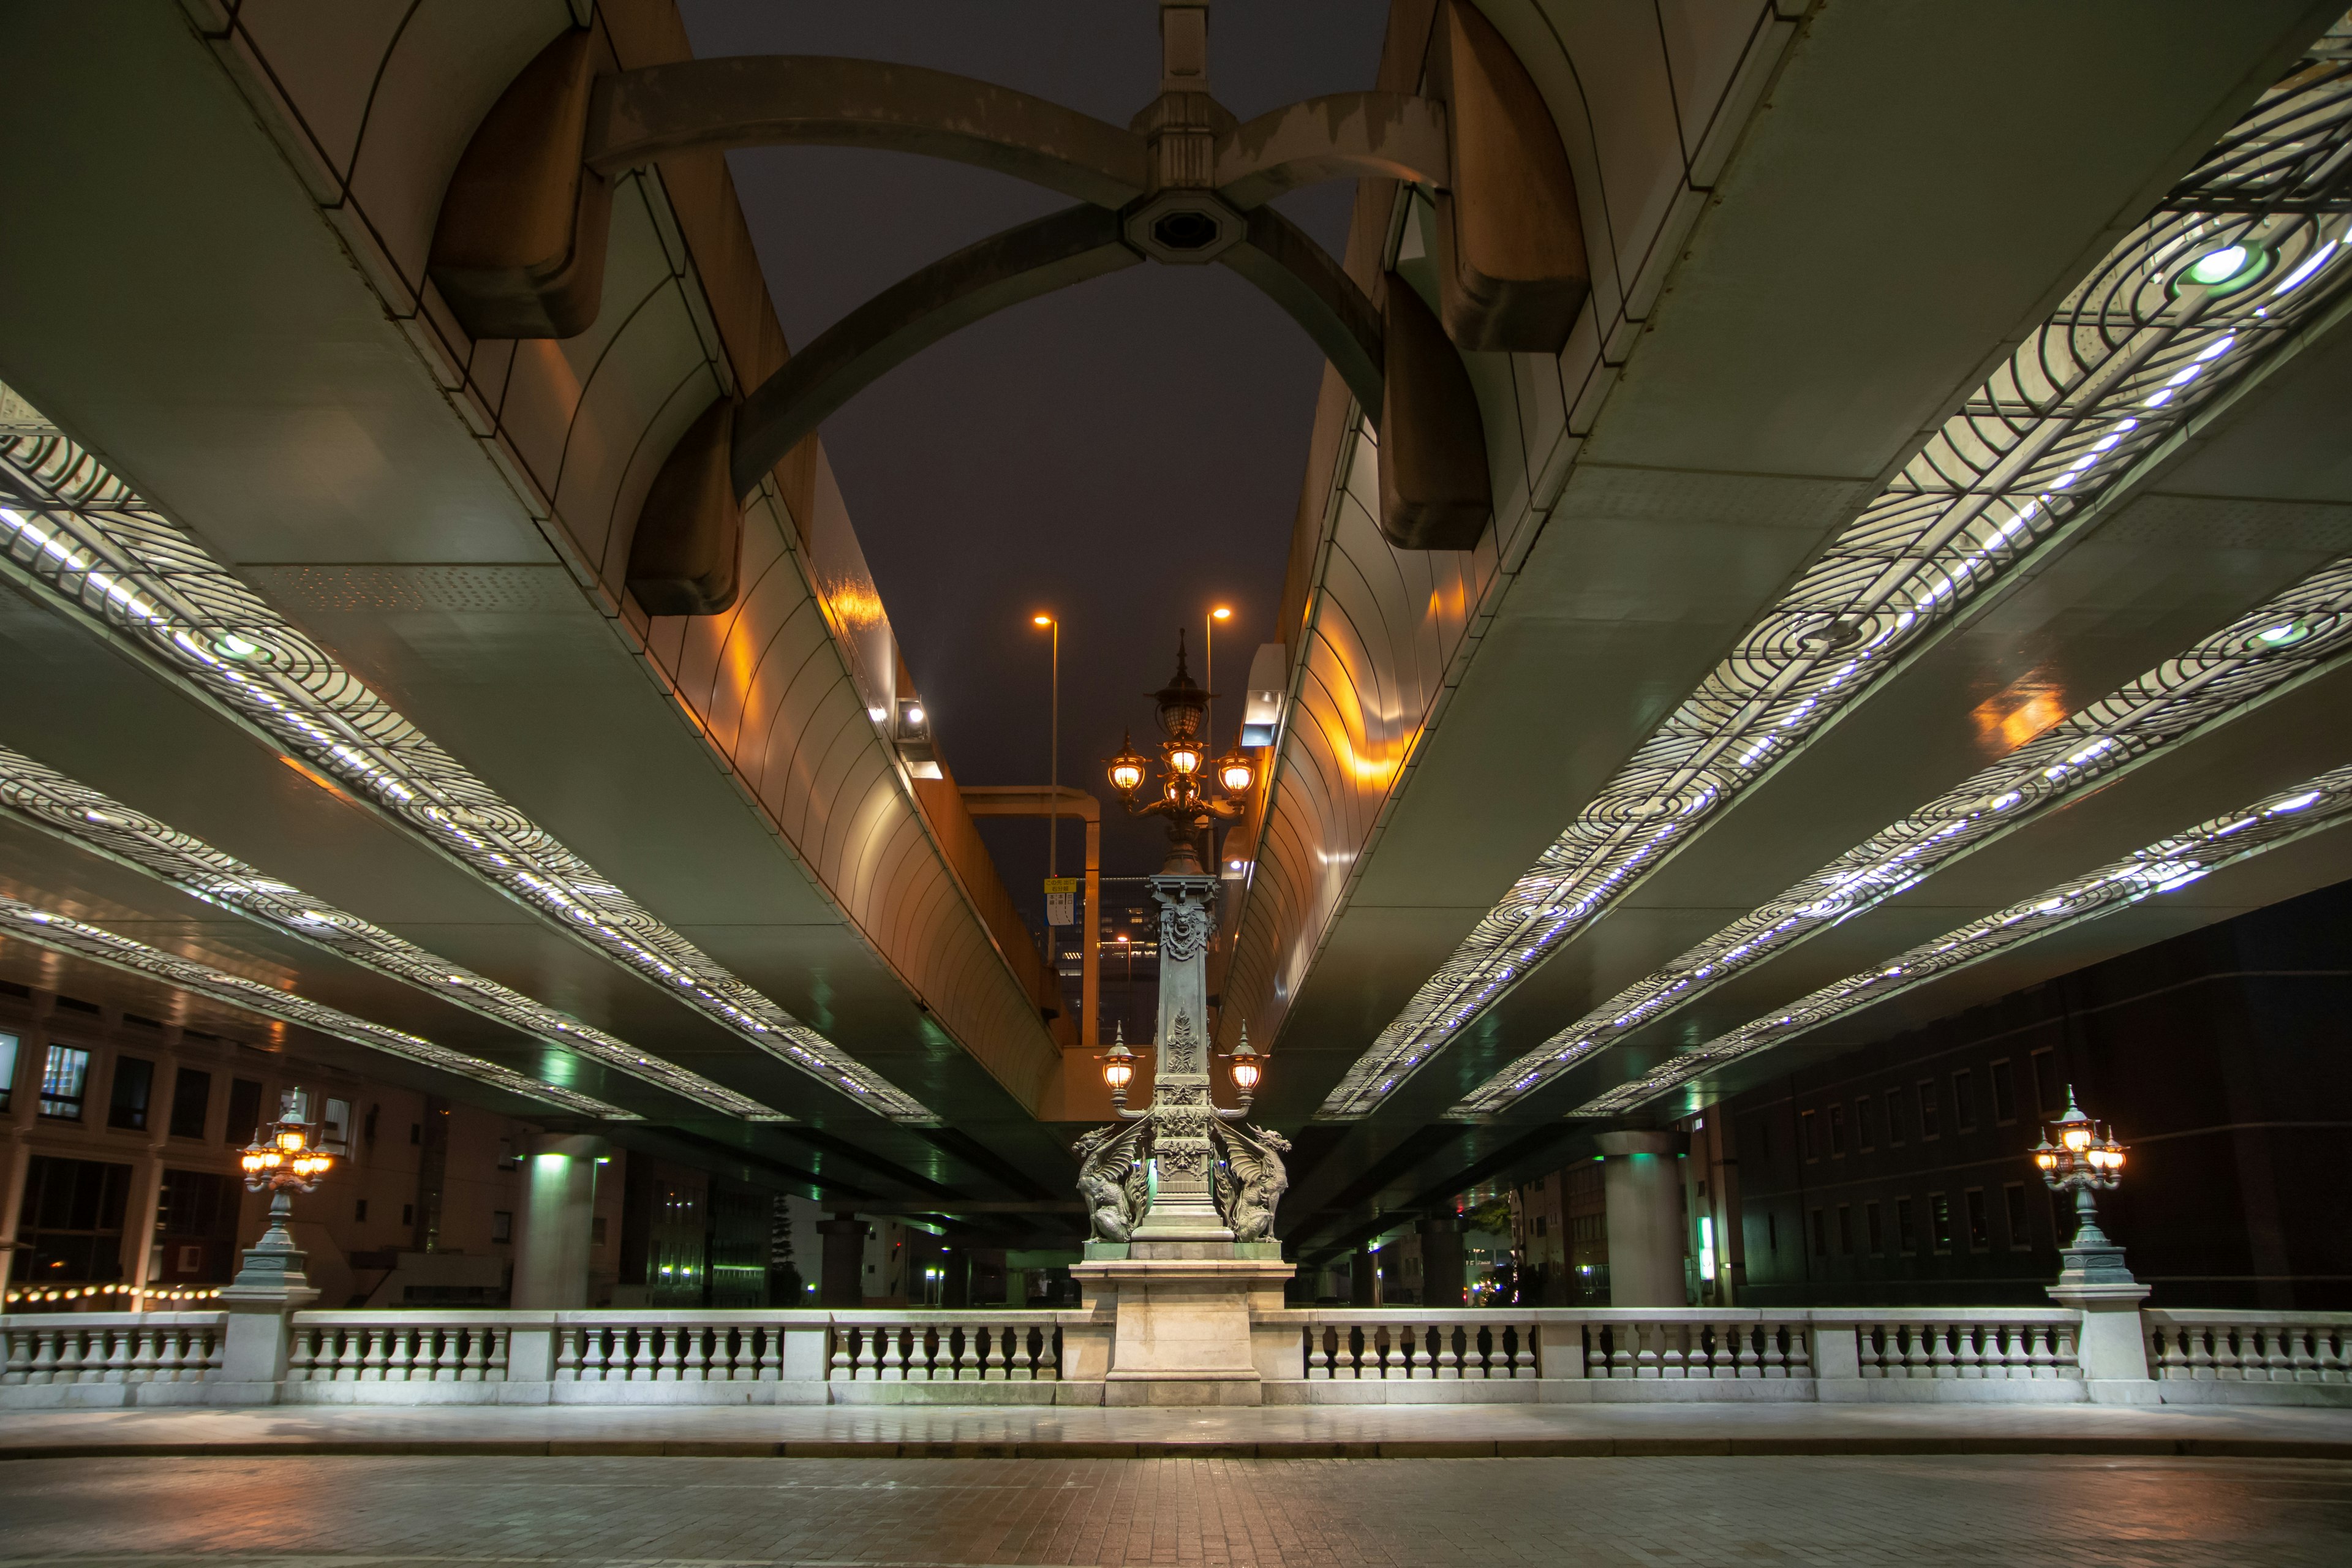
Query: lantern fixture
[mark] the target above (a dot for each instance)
(1128, 768)
(1119, 1064)
(1194, 793)
(1236, 772)
(1245, 1065)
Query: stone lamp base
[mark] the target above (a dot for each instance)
(1181, 1311)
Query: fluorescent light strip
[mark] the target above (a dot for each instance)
(100, 551)
(63, 933)
(2134, 351)
(47, 799)
(2240, 664)
(2167, 864)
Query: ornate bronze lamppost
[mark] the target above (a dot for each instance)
(2079, 1156)
(283, 1159)
(1182, 1169)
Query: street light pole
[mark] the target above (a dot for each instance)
(1054, 762)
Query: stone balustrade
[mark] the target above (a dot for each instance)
(1303, 1356)
(55, 1359)
(2251, 1358)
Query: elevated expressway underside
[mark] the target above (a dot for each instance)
(319, 667)
(1822, 628)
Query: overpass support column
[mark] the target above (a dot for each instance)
(1441, 1260)
(1643, 1188)
(559, 1211)
(1360, 1278)
(843, 1282)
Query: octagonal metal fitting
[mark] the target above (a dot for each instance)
(1183, 228)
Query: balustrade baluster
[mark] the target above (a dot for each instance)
(2227, 1367)
(48, 1351)
(1647, 1358)
(567, 1354)
(1447, 1362)
(2277, 1359)
(142, 1355)
(167, 1355)
(2062, 1347)
(1618, 1340)
(686, 1352)
(868, 1354)
(1799, 1356)
(1319, 1360)
(894, 1363)
(643, 1346)
(1423, 1364)
(1523, 1359)
(302, 1354)
(2332, 1348)
(19, 1359)
(117, 1368)
(1967, 1363)
(372, 1357)
(1673, 1362)
(469, 1363)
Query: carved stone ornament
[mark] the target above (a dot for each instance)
(1184, 930)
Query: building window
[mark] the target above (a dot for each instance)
(359, 1210)
(1980, 1221)
(1837, 1129)
(1906, 1225)
(2049, 1095)
(1539, 1227)
(1821, 1234)
(192, 1093)
(244, 1110)
(70, 1229)
(1846, 1230)
(63, 1078)
(1929, 1126)
(195, 1226)
(1772, 1234)
(8, 1070)
(1964, 1101)
(2013, 1199)
(408, 1214)
(1939, 1221)
(1807, 1132)
(502, 1225)
(135, 1085)
(1894, 1123)
(1866, 1134)
(2004, 1092)
(1874, 1230)
(335, 1128)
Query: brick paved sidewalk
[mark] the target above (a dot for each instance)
(1289, 1432)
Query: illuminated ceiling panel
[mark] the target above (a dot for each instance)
(2167, 864)
(62, 934)
(2244, 252)
(2244, 662)
(87, 543)
(48, 799)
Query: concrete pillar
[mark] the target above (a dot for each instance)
(1360, 1278)
(558, 1221)
(1441, 1260)
(139, 1218)
(843, 1281)
(1642, 1184)
(16, 1163)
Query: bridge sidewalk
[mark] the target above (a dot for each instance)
(1280, 1432)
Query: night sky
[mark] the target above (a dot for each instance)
(1124, 454)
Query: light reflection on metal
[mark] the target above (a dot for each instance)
(2221, 675)
(2134, 351)
(2163, 866)
(62, 934)
(79, 535)
(48, 799)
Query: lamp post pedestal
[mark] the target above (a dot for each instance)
(258, 1340)
(2112, 1350)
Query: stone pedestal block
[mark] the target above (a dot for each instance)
(1180, 1313)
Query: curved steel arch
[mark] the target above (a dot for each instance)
(1020, 264)
(811, 101)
